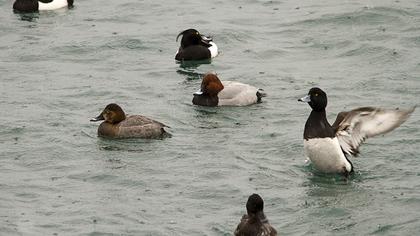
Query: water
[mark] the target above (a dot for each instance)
(59, 69)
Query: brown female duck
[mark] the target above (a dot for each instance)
(117, 125)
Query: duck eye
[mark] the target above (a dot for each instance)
(316, 95)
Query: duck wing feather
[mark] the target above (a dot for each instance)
(353, 127)
(139, 120)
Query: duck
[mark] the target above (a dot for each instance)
(214, 92)
(195, 46)
(40, 5)
(329, 146)
(117, 125)
(255, 223)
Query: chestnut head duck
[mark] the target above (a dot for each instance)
(214, 92)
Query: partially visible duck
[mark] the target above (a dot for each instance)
(328, 146)
(195, 46)
(40, 5)
(213, 92)
(117, 125)
(255, 223)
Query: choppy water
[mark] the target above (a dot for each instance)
(58, 69)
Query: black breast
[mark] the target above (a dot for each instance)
(25, 6)
(195, 52)
(317, 126)
(205, 100)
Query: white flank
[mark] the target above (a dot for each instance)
(326, 155)
(55, 4)
(213, 50)
(237, 94)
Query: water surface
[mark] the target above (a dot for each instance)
(60, 68)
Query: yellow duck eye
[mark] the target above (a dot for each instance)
(316, 95)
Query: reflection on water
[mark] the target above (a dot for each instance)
(189, 69)
(31, 17)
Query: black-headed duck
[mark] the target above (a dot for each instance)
(195, 46)
(40, 5)
(328, 146)
(255, 223)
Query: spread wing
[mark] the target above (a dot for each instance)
(353, 127)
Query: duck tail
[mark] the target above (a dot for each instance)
(165, 134)
(260, 95)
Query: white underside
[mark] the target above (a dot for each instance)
(237, 94)
(56, 4)
(326, 155)
(213, 50)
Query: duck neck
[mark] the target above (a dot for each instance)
(258, 217)
(317, 126)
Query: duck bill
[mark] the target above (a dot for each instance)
(206, 40)
(98, 118)
(307, 98)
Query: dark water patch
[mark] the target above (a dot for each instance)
(130, 44)
(191, 74)
(127, 144)
(366, 16)
(100, 233)
(221, 230)
(381, 229)
(30, 17)
(412, 41)
(26, 196)
(368, 50)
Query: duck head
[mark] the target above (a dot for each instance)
(255, 204)
(192, 37)
(112, 114)
(210, 85)
(316, 98)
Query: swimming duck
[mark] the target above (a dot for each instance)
(195, 46)
(213, 92)
(40, 5)
(328, 146)
(117, 125)
(255, 223)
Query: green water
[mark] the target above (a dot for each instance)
(58, 69)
